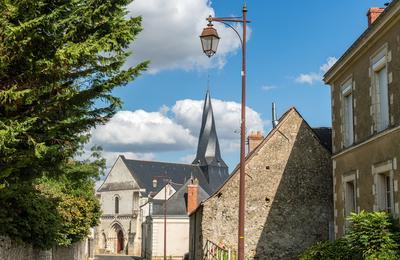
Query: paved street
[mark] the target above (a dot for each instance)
(112, 257)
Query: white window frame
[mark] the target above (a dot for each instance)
(347, 115)
(381, 172)
(379, 62)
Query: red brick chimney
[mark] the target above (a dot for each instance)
(254, 139)
(373, 14)
(193, 193)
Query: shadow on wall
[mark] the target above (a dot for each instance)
(196, 238)
(301, 211)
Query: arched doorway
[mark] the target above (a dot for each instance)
(120, 241)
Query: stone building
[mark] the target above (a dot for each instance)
(132, 207)
(288, 196)
(365, 85)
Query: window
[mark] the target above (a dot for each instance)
(385, 192)
(116, 200)
(350, 197)
(381, 94)
(347, 97)
(350, 194)
(385, 186)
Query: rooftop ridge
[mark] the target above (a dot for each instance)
(160, 162)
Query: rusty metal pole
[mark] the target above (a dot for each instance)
(242, 145)
(206, 34)
(165, 222)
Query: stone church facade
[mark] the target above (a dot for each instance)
(288, 196)
(130, 203)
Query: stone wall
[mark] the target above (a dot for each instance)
(10, 250)
(288, 197)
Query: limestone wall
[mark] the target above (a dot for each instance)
(10, 250)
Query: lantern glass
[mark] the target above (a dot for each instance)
(209, 40)
(154, 183)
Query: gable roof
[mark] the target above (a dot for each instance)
(145, 171)
(322, 134)
(177, 203)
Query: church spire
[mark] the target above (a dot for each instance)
(208, 152)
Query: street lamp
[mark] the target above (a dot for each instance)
(167, 181)
(209, 41)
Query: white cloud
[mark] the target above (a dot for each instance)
(268, 87)
(112, 156)
(188, 113)
(140, 132)
(170, 38)
(311, 78)
(142, 135)
(329, 63)
(187, 158)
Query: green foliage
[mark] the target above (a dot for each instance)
(371, 235)
(26, 215)
(55, 210)
(329, 250)
(59, 59)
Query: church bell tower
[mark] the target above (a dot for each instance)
(208, 156)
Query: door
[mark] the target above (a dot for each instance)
(120, 241)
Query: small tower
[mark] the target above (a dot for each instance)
(208, 152)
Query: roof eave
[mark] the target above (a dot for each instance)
(371, 31)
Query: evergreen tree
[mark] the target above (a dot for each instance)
(58, 59)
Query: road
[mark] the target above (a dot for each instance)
(112, 257)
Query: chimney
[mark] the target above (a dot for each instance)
(193, 193)
(274, 117)
(254, 139)
(373, 14)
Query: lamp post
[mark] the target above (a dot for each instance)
(209, 41)
(167, 181)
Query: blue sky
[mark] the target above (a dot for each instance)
(290, 41)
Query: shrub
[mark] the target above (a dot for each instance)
(371, 235)
(329, 250)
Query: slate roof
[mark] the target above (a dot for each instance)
(324, 135)
(208, 151)
(145, 171)
(177, 203)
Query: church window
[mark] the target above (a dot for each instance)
(116, 205)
